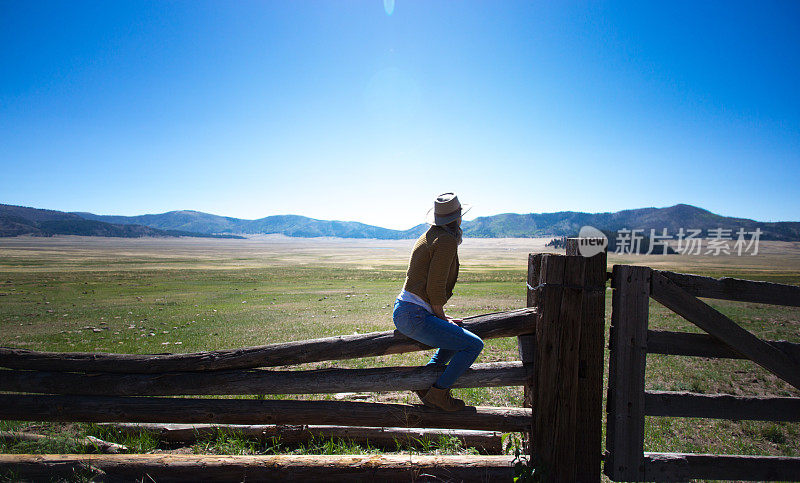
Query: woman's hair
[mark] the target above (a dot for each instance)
(454, 228)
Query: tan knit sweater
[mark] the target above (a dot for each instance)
(433, 268)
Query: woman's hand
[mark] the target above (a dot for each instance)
(438, 310)
(457, 322)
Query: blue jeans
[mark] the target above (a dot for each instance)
(457, 346)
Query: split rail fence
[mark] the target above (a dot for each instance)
(628, 402)
(560, 336)
(560, 366)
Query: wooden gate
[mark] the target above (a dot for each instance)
(628, 402)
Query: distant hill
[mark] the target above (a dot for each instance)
(21, 220)
(508, 225)
(193, 221)
(295, 225)
(289, 225)
(673, 218)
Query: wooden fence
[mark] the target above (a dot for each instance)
(560, 367)
(628, 402)
(560, 337)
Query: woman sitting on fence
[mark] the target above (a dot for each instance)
(419, 309)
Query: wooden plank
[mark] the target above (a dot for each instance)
(526, 347)
(590, 371)
(567, 336)
(534, 269)
(557, 352)
(666, 292)
(526, 344)
(305, 468)
(252, 411)
(736, 289)
(572, 248)
(687, 466)
(704, 345)
(486, 442)
(625, 402)
(721, 406)
(549, 309)
(488, 326)
(257, 381)
(590, 366)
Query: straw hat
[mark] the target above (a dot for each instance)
(446, 208)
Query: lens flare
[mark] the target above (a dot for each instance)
(388, 6)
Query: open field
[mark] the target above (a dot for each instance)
(775, 261)
(186, 295)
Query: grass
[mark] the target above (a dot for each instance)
(150, 296)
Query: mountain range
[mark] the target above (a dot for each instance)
(673, 218)
(16, 220)
(21, 220)
(289, 225)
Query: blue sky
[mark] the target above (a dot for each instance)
(339, 110)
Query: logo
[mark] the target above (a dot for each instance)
(591, 241)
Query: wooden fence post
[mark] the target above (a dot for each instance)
(590, 365)
(625, 403)
(560, 441)
(548, 400)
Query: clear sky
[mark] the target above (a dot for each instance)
(360, 110)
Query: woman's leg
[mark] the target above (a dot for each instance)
(458, 346)
(441, 357)
(452, 339)
(408, 318)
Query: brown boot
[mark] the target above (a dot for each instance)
(441, 399)
(421, 394)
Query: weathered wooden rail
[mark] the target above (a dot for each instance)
(211, 468)
(628, 402)
(252, 411)
(316, 381)
(489, 326)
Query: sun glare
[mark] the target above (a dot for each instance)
(388, 6)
